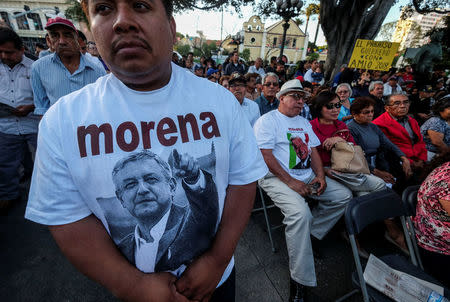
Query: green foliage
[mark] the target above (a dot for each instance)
(245, 54)
(183, 49)
(313, 56)
(179, 35)
(75, 12)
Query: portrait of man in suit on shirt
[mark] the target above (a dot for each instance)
(167, 235)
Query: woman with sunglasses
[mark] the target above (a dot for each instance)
(329, 130)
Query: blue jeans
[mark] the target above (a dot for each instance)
(12, 150)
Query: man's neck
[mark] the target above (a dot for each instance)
(71, 62)
(250, 89)
(270, 99)
(153, 79)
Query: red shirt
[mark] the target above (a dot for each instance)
(324, 131)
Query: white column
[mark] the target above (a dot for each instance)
(305, 46)
(263, 44)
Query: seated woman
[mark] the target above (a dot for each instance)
(344, 91)
(436, 130)
(372, 140)
(432, 221)
(330, 130)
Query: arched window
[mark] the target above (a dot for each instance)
(249, 28)
(258, 27)
(22, 22)
(36, 21)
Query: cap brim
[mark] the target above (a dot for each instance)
(283, 92)
(60, 23)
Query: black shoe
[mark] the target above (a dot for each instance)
(297, 292)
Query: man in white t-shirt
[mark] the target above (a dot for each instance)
(257, 68)
(288, 145)
(237, 84)
(146, 103)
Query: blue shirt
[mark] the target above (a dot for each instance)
(265, 106)
(51, 80)
(15, 90)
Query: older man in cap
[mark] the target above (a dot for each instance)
(288, 145)
(64, 71)
(238, 84)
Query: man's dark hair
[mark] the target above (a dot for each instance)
(235, 51)
(307, 84)
(387, 100)
(82, 36)
(9, 35)
(168, 6)
(40, 45)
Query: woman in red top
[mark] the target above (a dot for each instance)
(329, 130)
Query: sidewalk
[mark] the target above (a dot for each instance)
(33, 268)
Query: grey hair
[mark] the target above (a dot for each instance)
(373, 83)
(269, 74)
(388, 98)
(346, 85)
(139, 157)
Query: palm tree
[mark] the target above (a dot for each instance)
(311, 9)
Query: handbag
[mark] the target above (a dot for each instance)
(349, 158)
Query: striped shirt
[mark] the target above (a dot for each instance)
(15, 90)
(51, 80)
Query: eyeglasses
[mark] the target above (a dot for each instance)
(343, 91)
(274, 84)
(367, 111)
(398, 103)
(296, 96)
(330, 106)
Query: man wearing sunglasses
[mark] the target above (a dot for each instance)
(288, 145)
(268, 101)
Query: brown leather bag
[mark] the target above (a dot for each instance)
(349, 158)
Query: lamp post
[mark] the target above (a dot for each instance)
(287, 9)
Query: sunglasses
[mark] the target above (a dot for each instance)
(330, 106)
(367, 111)
(237, 85)
(274, 84)
(296, 96)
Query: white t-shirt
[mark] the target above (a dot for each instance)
(251, 110)
(290, 139)
(107, 126)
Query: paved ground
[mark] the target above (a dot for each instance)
(33, 269)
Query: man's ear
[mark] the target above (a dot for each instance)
(173, 28)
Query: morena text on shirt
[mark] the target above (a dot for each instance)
(167, 132)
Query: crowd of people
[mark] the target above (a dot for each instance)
(140, 92)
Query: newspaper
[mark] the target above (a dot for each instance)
(398, 285)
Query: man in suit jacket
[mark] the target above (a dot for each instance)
(167, 235)
(403, 130)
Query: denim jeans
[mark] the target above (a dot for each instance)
(12, 150)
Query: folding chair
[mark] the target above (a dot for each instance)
(364, 210)
(409, 197)
(264, 207)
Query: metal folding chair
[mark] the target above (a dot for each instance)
(264, 207)
(365, 210)
(409, 197)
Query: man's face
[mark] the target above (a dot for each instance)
(238, 89)
(270, 86)
(83, 47)
(378, 91)
(235, 58)
(135, 39)
(64, 40)
(258, 63)
(92, 49)
(10, 55)
(307, 65)
(251, 83)
(280, 68)
(392, 83)
(408, 69)
(314, 65)
(199, 72)
(398, 106)
(144, 190)
(291, 104)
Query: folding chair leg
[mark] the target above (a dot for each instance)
(416, 249)
(266, 217)
(362, 283)
(408, 241)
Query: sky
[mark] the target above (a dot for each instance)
(210, 22)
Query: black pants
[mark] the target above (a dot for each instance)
(437, 265)
(226, 292)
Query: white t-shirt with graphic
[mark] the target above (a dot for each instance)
(115, 152)
(290, 139)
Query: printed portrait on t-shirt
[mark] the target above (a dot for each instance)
(165, 212)
(299, 150)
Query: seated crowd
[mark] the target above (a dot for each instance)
(302, 123)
